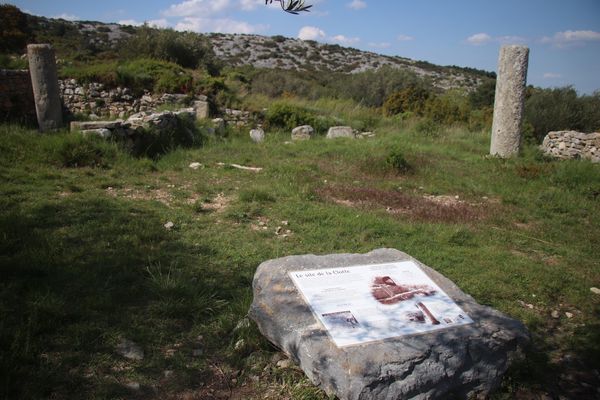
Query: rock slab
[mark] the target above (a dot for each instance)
(304, 132)
(341, 132)
(463, 362)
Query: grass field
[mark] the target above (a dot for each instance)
(86, 260)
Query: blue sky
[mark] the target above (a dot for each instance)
(563, 35)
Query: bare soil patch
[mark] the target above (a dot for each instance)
(445, 209)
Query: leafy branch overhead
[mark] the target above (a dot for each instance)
(291, 6)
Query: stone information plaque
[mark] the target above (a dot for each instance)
(365, 303)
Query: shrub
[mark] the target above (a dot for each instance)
(155, 142)
(287, 116)
(397, 163)
(187, 49)
(85, 151)
(561, 109)
(14, 31)
(411, 98)
(427, 127)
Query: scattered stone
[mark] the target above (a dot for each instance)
(168, 373)
(132, 386)
(595, 290)
(304, 132)
(202, 109)
(555, 314)
(242, 324)
(467, 361)
(572, 145)
(569, 315)
(101, 132)
(283, 364)
(219, 124)
(130, 350)
(196, 165)
(169, 225)
(257, 135)
(340, 132)
(239, 345)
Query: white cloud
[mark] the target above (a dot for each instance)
(311, 33)
(405, 38)
(508, 39)
(131, 22)
(68, 17)
(190, 8)
(572, 38)
(357, 4)
(249, 5)
(221, 25)
(479, 38)
(552, 75)
(380, 45)
(344, 40)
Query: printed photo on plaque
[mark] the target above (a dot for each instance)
(364, 303)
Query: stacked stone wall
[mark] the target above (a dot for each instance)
(571, 144)
(16, 96)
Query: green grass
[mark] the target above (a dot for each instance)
(86, 260)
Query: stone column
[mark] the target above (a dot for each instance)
(42, 67)
(510, 101)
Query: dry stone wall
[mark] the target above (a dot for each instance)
(571, 144)
(16, 96)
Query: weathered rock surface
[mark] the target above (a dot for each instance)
(571, 144)
(464, 362)
(257, 135)
(303, 132)
(509, 101)
(340, 132)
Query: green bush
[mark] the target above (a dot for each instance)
(561, 109)
(187, 49)
(286, 116)
(411, 98)
(396, 162)
(428, 127)
(85, 151)
(156, 142)
(139, 75)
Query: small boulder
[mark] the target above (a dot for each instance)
(130, 350)
(465, 361)
(340, 132)
(257, 135)
(303, 132)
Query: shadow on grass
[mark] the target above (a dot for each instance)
(79, 275)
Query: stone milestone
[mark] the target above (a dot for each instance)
(303, 132)
(572, 145)
(340, 132)
(257, 135)
(509, 101)
(459, 362)
(44, 80)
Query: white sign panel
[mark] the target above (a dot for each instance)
(360, 304)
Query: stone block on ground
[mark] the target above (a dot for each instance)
(303, 132)
(340, 132)
(463, 362)
(257, 135)
(202, 108)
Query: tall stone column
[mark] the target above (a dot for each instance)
(44, 79)
(510, 101)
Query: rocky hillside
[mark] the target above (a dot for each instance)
(286, 53)
(258, 51)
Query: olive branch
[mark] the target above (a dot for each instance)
(291, 6)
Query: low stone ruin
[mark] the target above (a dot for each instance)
(572, 145)
(461, 362)
(341, 132)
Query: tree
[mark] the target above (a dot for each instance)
(13, 30)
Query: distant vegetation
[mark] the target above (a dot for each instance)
(163, 60)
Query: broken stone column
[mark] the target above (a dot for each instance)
(44, 80)
(510, 101)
